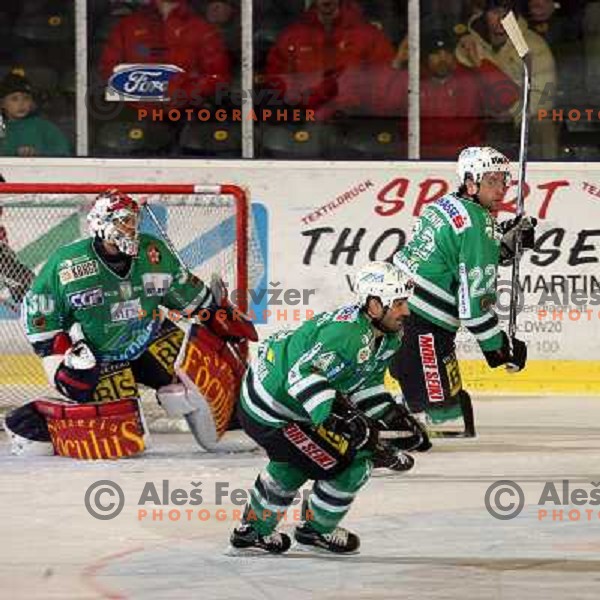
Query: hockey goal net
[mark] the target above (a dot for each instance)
(210, 225)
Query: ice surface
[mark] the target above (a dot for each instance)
(426, 534)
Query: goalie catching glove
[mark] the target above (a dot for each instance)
(222, 318)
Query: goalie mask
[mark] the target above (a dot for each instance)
(115, 219)
(382, 280)
(475, 162)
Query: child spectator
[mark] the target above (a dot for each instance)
(26, 133)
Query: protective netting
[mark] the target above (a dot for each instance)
(205, 229)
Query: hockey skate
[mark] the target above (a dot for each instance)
(339, 541)
(245, 538)
(395, 460)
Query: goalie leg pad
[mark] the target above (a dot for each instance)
(181, 401)
(107, 430)
(28, 432)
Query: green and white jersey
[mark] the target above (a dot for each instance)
(453, 256)
(119, 316)
(296, 374)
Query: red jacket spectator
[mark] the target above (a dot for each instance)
(181, 38)
(329, 59)
(456, 103)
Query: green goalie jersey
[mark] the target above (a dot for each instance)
(453, 256)
(119, 316)
(297, 373)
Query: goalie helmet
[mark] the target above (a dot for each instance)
(115, 218)
(384, 281)
(475, 162)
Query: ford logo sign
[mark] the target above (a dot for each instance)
(140, 82)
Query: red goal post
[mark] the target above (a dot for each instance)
(210, 225)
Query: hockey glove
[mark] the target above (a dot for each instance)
(411, 434)
(352, 424)
(525, 226)
(513, 355)
(78, 374)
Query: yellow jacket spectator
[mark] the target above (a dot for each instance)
(488, 40)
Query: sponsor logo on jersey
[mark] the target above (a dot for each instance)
(333, 373)
(464, 300)
(135, 82)
(429, 363)
(125, 311)
(79, 271)
(455, 212)
(86, 298)
(308, 447)
(153, 254)
(348, 313)
(125, 290)
(156, 284)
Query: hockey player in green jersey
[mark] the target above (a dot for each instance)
(453, 256)
(92, 314)
(314, 399)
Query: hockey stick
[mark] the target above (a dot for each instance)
(516, 37)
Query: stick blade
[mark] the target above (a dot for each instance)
(509, 22)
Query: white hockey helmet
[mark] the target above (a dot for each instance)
(384, 281)
(476, 161)
(115, 218)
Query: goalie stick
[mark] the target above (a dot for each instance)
(516, 37)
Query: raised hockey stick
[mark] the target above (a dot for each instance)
(516, 37)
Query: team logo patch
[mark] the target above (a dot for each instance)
(86, 298)
(364, 354)
(39, 323)
(153, 254)
(125, 311)
(431, 372)
(156, 284)
(79, 271)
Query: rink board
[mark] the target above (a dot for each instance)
(325, 219)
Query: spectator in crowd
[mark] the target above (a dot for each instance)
(563, 35)
(329, 59)
(25, 132)
(225, 14)
(591, 40)
(170, 32)
(487, 39)
(456, 102)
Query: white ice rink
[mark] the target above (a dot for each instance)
(424, 535)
